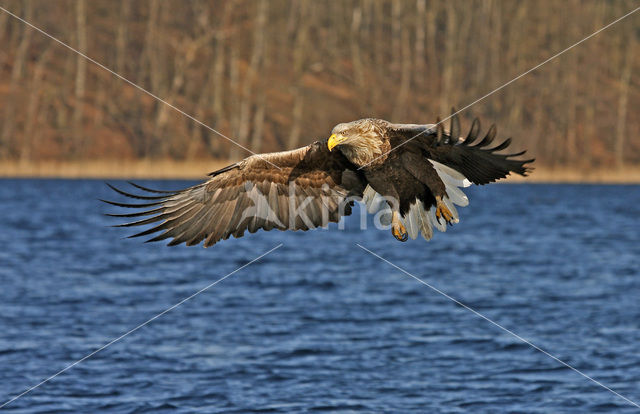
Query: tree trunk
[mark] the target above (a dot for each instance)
(257, 138)
(396, 36)
(299, 60)
(447, 98)
(151, 65)
(7, 140)
(150, 69)
(32, 106)
(253, 70)
(356, 58)
(81, 78)
(234, 86)
(432, 50)
(219, 64)
(515, 94)
(623, 100)
(121, 39)
(400, 109)
(4, 52)
(592, 92)
(419, 53)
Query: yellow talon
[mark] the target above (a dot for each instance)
(443, 211)
(400, 233)
(397, 228)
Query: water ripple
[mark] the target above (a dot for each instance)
(320, 325)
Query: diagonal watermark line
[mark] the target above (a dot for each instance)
(498, 325)
(138, 327)
(508, 83)
(136, 85)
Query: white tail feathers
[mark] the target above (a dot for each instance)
(456, 195)
(440, 225)
(375, 202)
(417, 221)
(372, 199)
(450, 175)
(453, 179)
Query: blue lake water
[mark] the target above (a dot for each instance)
(320, 325)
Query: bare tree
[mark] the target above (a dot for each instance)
(299, 57)
(253, 70)
(6, 139)
(35, 94)
(81, 76)
(219, 64)
(420, 44)
(623, 99)
(592, 94)
(400, 107)
(4, 52)
(265, 72)
(447, 98)
(121, 39)
(356, 58)
(257, 136)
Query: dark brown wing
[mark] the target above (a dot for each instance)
(481, 163)
(308, 190)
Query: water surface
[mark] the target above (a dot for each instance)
(320, 325)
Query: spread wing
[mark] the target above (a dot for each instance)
(444, 162)
(292, 190)
(478, 162)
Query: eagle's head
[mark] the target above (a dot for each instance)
(361, 141)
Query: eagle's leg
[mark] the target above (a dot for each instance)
(378, 180)
(443, 211)
(397, 227)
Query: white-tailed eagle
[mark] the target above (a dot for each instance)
(416, 169)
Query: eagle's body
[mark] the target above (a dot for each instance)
(416, 169)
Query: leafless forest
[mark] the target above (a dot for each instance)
(277, 74)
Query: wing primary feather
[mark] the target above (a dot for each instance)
(501, 146)
(224, 225)
(473, 132)
(124, 193)
(191, 228)
(165, 213)
(169, 218)
(150, 190)
(204, 228)
(139, 214)
(488, 139)
(128, 205)
(517, 154)
(224, 169)
(177, 232)
(164, 225)
(216, 209)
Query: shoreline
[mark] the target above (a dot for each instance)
(198, 169)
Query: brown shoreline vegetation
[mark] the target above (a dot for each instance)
(274, 74)
(198, 169)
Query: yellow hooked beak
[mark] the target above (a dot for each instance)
(334, 140)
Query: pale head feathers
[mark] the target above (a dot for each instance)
(365, 140)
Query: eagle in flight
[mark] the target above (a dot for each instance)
(412, 171)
